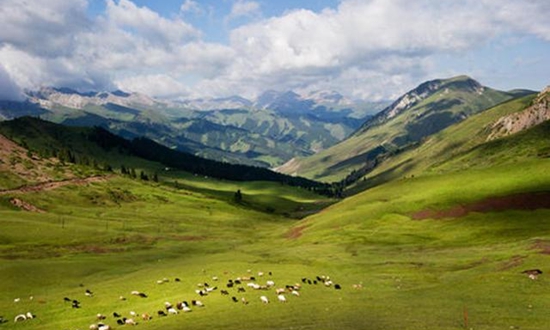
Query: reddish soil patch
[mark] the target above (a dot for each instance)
(542, 246)
(50, 185)
(295, 232)
(514, 261)
(25, 206)
(528, 202)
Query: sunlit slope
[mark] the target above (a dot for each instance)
(418, 114)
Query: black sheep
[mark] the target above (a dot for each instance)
(115, 314)
(161, 313)
(234, 299)
(337, 286)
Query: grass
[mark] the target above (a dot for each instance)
(122, 235)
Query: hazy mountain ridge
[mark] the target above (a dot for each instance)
(232, 129)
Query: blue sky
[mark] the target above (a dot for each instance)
(364, 49)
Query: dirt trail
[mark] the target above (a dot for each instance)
(50, 185)
(527, 201)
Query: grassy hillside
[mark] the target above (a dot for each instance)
(420, 113)
(120, 235)
(465, 146)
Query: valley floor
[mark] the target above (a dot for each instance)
(394, 272)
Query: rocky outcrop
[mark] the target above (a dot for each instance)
(536, 114)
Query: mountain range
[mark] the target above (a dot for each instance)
(263, 132)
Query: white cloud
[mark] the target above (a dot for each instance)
(190, 6)
(160, 85)
(244, 8)
(361, 48)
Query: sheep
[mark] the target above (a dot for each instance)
(16, 300)
(224, 292)
(270, 283)
(328, 283)
(29, 316)
(88, 293)
(172, 311)
(140, 294)
(243, 299)
(260, 274)
(177, 279)
(250, 285)
(281, 298)
(115, 314)
(197, 303)
(100, 317)
(67, 299)
(161, 313)
(122, 298)
(129, 322)
(19, 318)
(211, 289)
(234, 299)
(120, 322)
(214, 278)
(93, 327)
(167, 305)
(160, 282)
(264, 299)
(337, 286)
(241, 289)
(186, 309)
(295, 293)
(104, 327)
(145, 317)
(133, 314)
(280, 291)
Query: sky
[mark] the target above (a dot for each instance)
(181, 49)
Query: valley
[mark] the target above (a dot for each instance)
(443, 234)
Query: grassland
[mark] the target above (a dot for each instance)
(120, 235)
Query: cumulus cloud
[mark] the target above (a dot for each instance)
(160, 85)
(244, 8)
(190, 6)
(364, 48)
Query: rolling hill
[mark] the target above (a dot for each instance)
(418, 114)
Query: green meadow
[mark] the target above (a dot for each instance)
(395, 272)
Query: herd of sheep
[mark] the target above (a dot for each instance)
(234, 288)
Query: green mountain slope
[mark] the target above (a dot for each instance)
(99, 148)
(426, 110)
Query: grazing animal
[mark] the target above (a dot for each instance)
(264, 299)
(130, 322)
(19, 318)
(120, 322)
(532, 273)
(93, 327)
(89, 293)
(241, 289)
(281, 298)
(167, 305)
(16, 300)
(101, 317)
(177, 279)
(66, 299)
(214, 278)
(133, 314)
(224, 292)
(337, 286)
(146, 317)
(104, 327)
(229, 285)
(172, 311)
(295, 293)
(2, 320)
(186, 309)
(76, 304)
(115, 314)
(260, 273)
(304, 280)
(279, 291)
(234, 299)
(179, 306)
(243, 299)
(142, 295)
(161, 313)
(197, 303)
(270, 283)
(122, 298)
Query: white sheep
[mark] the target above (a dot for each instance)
(280, 291)
(16, 300)
(295, 293)
(264, 299)
(93, 327)
(30, 316)
(129, 322)
(20, 317)
(104, 327)
(186, 309)
(270, 283)
(172, 311)
(281, 298)
(133, 314)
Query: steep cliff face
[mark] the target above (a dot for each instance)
(534, 115)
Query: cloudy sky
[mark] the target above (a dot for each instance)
(369, 49)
